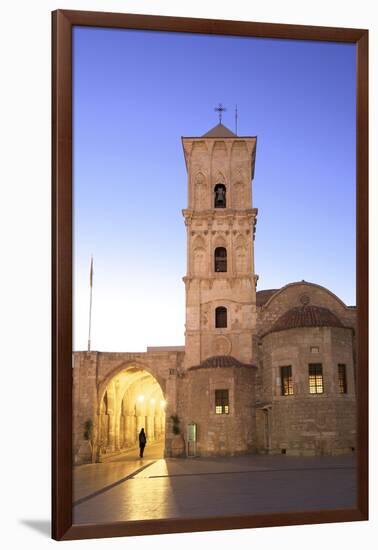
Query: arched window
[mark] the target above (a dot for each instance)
(220, 196)
(220, 259)
(220, 317)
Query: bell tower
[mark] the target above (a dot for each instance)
(220, 222)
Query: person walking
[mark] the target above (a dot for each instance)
(142, 442)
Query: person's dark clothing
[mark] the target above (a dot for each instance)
(142, 442)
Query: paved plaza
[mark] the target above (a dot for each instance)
(153, 488)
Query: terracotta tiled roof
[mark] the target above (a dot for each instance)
(220, 361)
(306, 316)
(262, 296)
(219, 131)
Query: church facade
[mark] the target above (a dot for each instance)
(269, 371)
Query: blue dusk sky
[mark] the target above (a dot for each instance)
(135, 94)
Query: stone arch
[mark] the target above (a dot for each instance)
(221, 317)
(238, 195)
(241, 259)
(199, 255)
(200, 177)
(200, 198)
(135, 399)
(198, 242)
(240, 241)
(125, 365)
(219, 178)
(220, 195)
(199, 261)
(239, 150)
(220, 241)
(199, 148)
(219, 181)
(219, 153)
(241, 254)
(220, 259)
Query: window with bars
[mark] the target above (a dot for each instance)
(220, 259)
(342, 378)
(315, 378)
(286, 381)
(222, 405)
(220, 317)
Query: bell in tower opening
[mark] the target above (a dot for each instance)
(219, 196)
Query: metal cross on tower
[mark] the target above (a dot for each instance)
(220, 109)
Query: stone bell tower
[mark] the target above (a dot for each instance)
(220, 221)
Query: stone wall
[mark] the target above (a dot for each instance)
(219, 434)
(305, 423)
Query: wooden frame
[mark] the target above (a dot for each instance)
(62, 23)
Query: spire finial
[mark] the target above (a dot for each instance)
(220, 109)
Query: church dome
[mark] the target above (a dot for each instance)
(262, 296)
(306, 316)
(220, 361)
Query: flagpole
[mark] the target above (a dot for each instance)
(90, 303)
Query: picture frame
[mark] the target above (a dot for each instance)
(63, 22)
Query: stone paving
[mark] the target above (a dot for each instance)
(205, 487)
(90, 478)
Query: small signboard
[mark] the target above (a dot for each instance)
(191, 439)
(192, 432)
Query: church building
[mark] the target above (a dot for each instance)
(262, 371)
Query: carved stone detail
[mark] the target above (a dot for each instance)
(222, 345)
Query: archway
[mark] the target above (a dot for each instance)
(131, 399)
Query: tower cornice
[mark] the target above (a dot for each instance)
(187, 143)
(218, 213)
(219, 276)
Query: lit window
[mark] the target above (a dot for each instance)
(314, 349)
(286, 381)
(222, 405)
(220, 317)
(342, 378)
(220, 259)
(315, 378)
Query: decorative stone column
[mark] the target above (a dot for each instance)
(129, 430)
(157, 427)
(111, 430)
(117, 422)
(150, 428)
(121, 431)
(141, 423)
